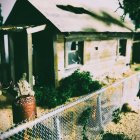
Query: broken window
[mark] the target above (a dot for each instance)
(73, 53)
(122, 47)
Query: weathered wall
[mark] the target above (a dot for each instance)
(99, 57)
(103, 56)
(59, 60)
(97, 51)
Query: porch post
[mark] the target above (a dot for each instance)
(11, 59)
(99, 112)
(30, 67)
(55, 61)
(2, 59)
(30, 31)
(57, 127)
(2, 48)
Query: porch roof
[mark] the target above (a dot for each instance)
(80, 16)
(29, 29)
(9, 28)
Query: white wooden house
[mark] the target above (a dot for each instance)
(59, 36)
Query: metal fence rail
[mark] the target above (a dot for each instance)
(66, 122)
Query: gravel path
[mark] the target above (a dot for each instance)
(129, 123)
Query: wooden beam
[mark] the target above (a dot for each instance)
(2, 50)
(11, 59)
(66, 55)
(35, 29)
(55, 61)
(2, 57)
(97, 36)
(30, 67)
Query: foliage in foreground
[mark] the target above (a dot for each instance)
(77, 84)
(124, 109)
(118, 136)
(116, 115)
(132, 9)
(137, 69)
(83, 120)
(46, 96)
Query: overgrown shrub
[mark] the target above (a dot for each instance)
(83, 120)
(40, 95)
(79, 83)
(64, 95)
(53, 99)
(84, 117)
(137, 69)
(118, 136)
(46, 96)
(116, 115)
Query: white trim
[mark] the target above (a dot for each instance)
(35, 29)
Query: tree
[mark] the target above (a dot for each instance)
(132, 8)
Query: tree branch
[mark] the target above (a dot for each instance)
(120, 6)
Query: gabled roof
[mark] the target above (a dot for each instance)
(79, 16)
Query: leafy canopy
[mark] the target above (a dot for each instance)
(132, 8)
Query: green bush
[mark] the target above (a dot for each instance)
(84, 117)
(79, 83)
(111, 136)
(40, 95)
(116, 115)
(52, 98)
(84, 120)
(137, 69)
(95, 85)
(64, 95)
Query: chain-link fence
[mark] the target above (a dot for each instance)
(85, 117)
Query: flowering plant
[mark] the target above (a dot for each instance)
(24, 88)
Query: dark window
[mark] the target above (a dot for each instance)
(122, 47)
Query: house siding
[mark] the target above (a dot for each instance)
(100, 57)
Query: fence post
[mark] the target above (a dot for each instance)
(57, 127)
(99, 112)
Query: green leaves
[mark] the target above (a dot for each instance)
(84, 117)
(77, 84)
(116, 115)
(83, 120)
(119, 136)
(133, 9)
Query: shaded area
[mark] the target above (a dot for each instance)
(6, 100)
(136, 49)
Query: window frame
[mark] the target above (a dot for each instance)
(67, 50)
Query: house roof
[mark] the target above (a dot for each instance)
(80, 16)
